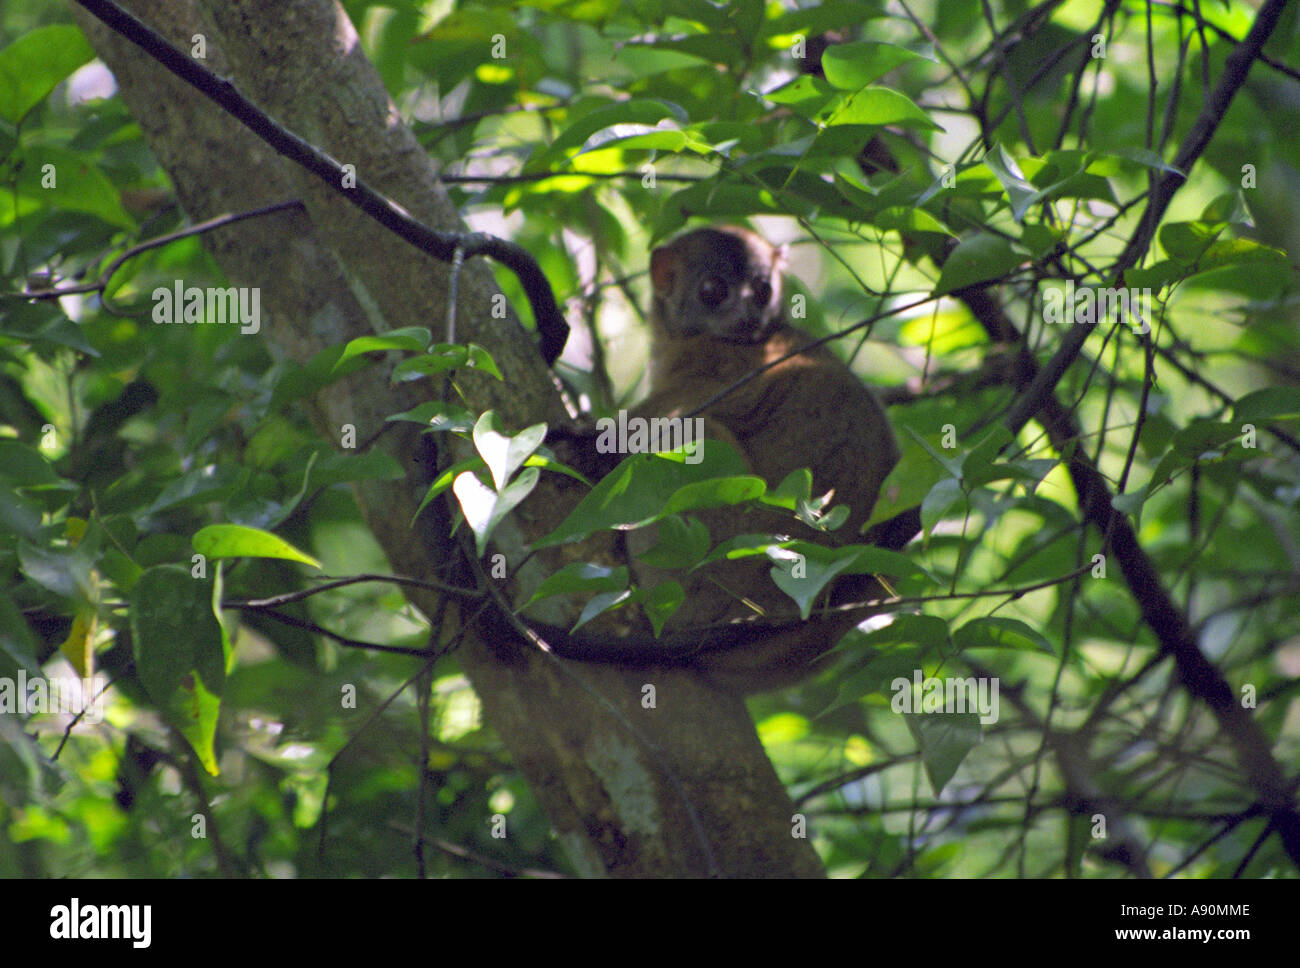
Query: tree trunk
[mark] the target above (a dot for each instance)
(683, 788)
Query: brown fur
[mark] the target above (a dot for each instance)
(807, 411)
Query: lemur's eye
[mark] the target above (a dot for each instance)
(762, 290)
(713, 290)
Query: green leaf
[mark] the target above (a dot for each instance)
(583, 11)
(986, 449)
(339, 468)
(195, 709)
(805, 95)
(804, 569)
(1203, 436)
(18, 646)
(814, 514)
(944, 740)
(819, 18)
(682, 543)
(321, 370)
(78, 186)
(978, 468)
(218, 541)
(449, 356)
(436, 415)
(1186, 242)
(1040, 239)
(1022, 192)
(180, 652)
(908, 220)
(705, 13)
(1061, 174)
(119, 569)
(25, 467)
(853, 66)
(485, 508)
(34, 64)
(725, 200)
(1202, 440)
(1030, 470)
(877, 106)
(1272, 403)
(940, 501)
(980, 258)
(1235, 252)
(581, 577)
(481, 359)
(717, 48)
(796, 489)
(504, 454)
(928, 633)
(744, 546)
(951, 464)
(636, 111)
(1155, 276)
(999, 633)
(19, 516)
(871, 677)
(645, 61)
(914, 474)
(863, 197)
(805, 575)
(605, 602)
(871, 560)
(44, 325)
(65, 571)
(542, 462)
(638, 491)
(1131, 502)
(1141, 156)
(662, 601)
(447, 478)
(664, 136)
(412, 338)
(717, 492)
(1228, 207)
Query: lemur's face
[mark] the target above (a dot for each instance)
(721, 284)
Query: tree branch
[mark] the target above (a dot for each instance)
(1199, 676)
(1234, 75)
(551, 325)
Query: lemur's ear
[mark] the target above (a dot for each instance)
(779, 252)
(665, 263)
